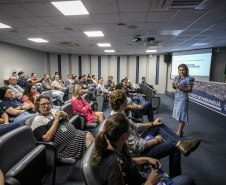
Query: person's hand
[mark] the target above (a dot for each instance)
(154, 178)
(155, 163)
(157, 122)
(83, 107)
(52, 85)
(178, 86)
(60, 81)
(26, 106)
(39, 79)
(140, 107)
(64, 114)
(57, 115)
(159, 138)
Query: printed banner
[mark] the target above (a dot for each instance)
(210, 94)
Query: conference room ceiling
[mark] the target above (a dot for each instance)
(119, 20)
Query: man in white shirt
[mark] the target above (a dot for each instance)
(59, 85)
(101, 88)
(17, 90)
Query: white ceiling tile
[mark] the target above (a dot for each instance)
(88, 27)
(101, 6)
(49, 29)
(57, 20)
(28, 30)
(213, 16)
(15, 10)
(187, 16)
(58, 34)
(154, 26)
(134, 6)
(160, 16)
(133, 17)
(62, 28)
(106, 18)
(42, 9)
(34, 21)
(81, 19)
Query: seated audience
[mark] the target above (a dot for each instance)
(101, 87)
(75, 80)
(80, 105)
(5, 126)
(89, 75)
(36, 81)
(52, 125)
(129, 84)
(53, 78)
(110, 83)
(14, 107)
(143, 109)
(16, 89)
(48, 85)
(94, 79)
(69, 78)
(90, 82)
(145, 82)
(30, 95)
(21, 81)
(115, 166)
(172, 145)
(86, 90)
(59, 85)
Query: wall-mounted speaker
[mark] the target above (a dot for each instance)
(217, 50)
(167, 58)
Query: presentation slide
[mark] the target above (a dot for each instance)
(198, 64)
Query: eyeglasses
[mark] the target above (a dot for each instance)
(45, 104)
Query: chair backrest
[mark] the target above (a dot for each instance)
(101, 126)
(29, 121)
(68, 109)
(70, 89)
(98, 91)
(14, 145)
(66, 83)
(90, 173)
(100, 102)
(48, 93)
(86, 97)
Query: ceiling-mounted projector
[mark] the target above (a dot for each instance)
(143, 38)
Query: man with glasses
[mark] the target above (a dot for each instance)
(102, 89)
(17, 90)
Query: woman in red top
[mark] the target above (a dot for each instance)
(30, 94)
(80, 105)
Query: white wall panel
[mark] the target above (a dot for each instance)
(85, 65)
(113, 68)
(64, 66)
(123, 67)
(15, 58)
(94, 66)
(131, 67)
(150, 76)
(142, 67)
(74, 65)
(162, 75)
(104, 68)
(53, 64)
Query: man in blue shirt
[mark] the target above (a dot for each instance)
(145, 82)
(84, 86)
(21, 81)
(89, 81)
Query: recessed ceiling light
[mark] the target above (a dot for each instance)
(94, 33)
(199, 44)
(71, 7)
(4, 26)
(151, 51)
(171, 32)
(37, 40)
(104, 44)
(109, 51)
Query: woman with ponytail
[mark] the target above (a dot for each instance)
(114, 163)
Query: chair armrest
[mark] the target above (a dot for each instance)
(91, 125)
(93, 105)
(11, 181)
(77, 122)
(134, 119)
(66, 161)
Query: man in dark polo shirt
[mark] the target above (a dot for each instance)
(21, 81)
(5, 126)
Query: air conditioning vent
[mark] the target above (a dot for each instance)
(68, 44)
(184, 4)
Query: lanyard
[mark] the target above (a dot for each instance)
(81, 101)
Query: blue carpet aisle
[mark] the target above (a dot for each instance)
(207, 165)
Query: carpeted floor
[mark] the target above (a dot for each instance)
(207, 165)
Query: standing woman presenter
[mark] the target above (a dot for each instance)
(183, 84)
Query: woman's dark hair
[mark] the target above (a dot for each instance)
(118, 86)
(37, 103)
(27, 91)
(117, 98)
(2, 92)
(185, 67)
(115, 126)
